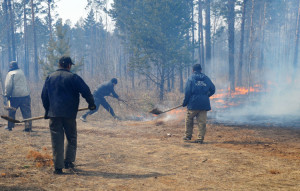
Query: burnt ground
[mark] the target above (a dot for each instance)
(151, 155)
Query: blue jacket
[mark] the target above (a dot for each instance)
(198, 89)
(105, 89)
(60, 94)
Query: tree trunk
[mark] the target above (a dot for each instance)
(36, 67)
(180, 80)
(169, 80)
(241, 54)
(193, 34)
(251, 50)
(132, 79)
(26, 61)
(162, 84)
(49, 18)
(173, 78)
(261, 46)
(231, 19)
(295, 61)
(200, 35)
(207, 36)
(12, 30)
(5, 8)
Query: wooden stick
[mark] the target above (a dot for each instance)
(31, 119)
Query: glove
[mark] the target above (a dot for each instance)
(8, 97)
(46, 115)
(92, 106)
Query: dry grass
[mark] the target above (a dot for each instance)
(150, 155)
(41, 159)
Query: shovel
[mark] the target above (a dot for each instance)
(158, 112)
(30, 119)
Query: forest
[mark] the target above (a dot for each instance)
(239, 43)
(248, 48)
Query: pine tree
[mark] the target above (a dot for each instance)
(56, 49)
(156, 33)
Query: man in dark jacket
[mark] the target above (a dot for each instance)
(197, 92)
(102, 90)
(60, 97)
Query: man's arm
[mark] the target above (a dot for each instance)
(8, 85)
(114, 94)
(85, 92)
(187, 94)
(45, 98)
(212, 89)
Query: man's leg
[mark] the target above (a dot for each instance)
(57, 140)
(71, 135)
(14, 102)
(107, 107)
(201, 119)
(189, 123)
(25, 106)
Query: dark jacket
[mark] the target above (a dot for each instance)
(105, 89)
(60, 94)
(197, 92)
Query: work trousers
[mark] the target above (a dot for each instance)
(60, 126)
(24, 103)
(201, 117)
(100, 101)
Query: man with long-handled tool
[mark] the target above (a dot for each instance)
(18, 95)
(197, 92)
(105, 89)
(60, 97)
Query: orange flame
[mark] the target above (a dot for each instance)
(223, 98)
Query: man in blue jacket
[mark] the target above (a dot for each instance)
(197, 92)
(60, 97)
(105, 89)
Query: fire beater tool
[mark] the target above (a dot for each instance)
(7, 104)
(30, 119)
(8, 107)
(156, 111)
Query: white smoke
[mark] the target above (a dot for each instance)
(280, 105)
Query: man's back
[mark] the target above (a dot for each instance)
(105, 89)
(61, 93)
(16, 84)
(198, 90)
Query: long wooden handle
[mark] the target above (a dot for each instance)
(32, 119)
(171, 109)
(42, 117)
(82, 109)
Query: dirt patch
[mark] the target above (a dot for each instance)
(151, 155)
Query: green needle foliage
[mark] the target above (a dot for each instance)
(57, 48)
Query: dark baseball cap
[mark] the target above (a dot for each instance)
(64, 60)
(13, 64)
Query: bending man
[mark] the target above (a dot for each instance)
(99, 93)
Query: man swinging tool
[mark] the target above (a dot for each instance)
(99, 93)
(197, 92)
